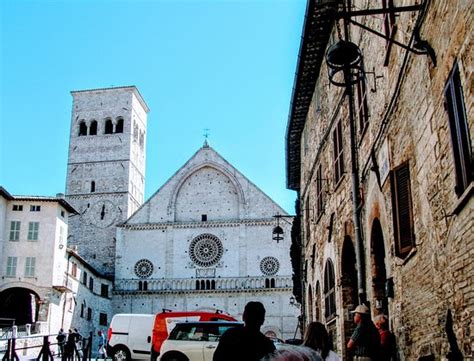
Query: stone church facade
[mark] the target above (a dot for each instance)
(411, 153)
(203, 241)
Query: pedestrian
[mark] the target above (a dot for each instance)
(365, 340)
(70, 345)
(245, 342)
(102, 352)
(317, 338)
(77, 344)
(387, 339)
(61, 338)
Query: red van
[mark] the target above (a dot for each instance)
(165, 322)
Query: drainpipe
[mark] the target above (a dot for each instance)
(356, 203)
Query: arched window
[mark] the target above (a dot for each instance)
(317, 302)
(82, 128)
(267, 283)
(140, 285)
(145, 286)
(329, 290)
(93, 128)
(203, 285)
(119, 126)
(197, 285)
(109, 127)
(92, 187)
(213, 284)
(208, 285)
(272, 283)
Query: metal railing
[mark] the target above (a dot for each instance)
(39, 347)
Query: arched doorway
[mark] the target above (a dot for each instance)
(379, 273)
(20, 304)
(348, 288)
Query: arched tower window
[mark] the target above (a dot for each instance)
(92, 187)
(93, 128)
(82, 128)
(119, 126)
(329, 290)
(109, 127)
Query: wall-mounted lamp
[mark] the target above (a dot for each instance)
(277, 233)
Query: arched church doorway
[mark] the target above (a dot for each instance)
(348, 288)
(379, 273)
(20, 304)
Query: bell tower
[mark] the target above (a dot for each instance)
(105, 178)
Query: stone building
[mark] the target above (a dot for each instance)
(33, 232)
(106, 168)
(385, 191)
(204, 241)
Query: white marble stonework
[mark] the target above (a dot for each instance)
(204, 241)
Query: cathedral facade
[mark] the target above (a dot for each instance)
(203, 241)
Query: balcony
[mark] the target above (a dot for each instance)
(194, 285)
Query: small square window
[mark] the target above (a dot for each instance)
(89, 313)
(35, 208)
(62, 213)
(204, 217)
(103, 319)
(17, 207)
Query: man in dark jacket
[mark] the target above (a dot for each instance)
(365, 341)
(245, 342)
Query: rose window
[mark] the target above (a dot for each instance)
(206, 250)
(269, 266)
(143, 268)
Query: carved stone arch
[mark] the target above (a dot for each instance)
(378, 269)
(194, 170)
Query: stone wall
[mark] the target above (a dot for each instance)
(407, 123)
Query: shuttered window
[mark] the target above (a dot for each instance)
(460, 137)
(402, 210)
(338, 152)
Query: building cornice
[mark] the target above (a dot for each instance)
(207, 224)
(319, 20)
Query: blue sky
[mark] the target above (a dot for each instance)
(224, 65)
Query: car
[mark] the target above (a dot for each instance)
(194, 340)
(129, 336)
(165, 322)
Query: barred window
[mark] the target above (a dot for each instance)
(329, 290)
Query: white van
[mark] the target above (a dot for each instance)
(129, 336)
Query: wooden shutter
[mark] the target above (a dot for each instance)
(402, 210)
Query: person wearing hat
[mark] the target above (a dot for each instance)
(365, 341)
